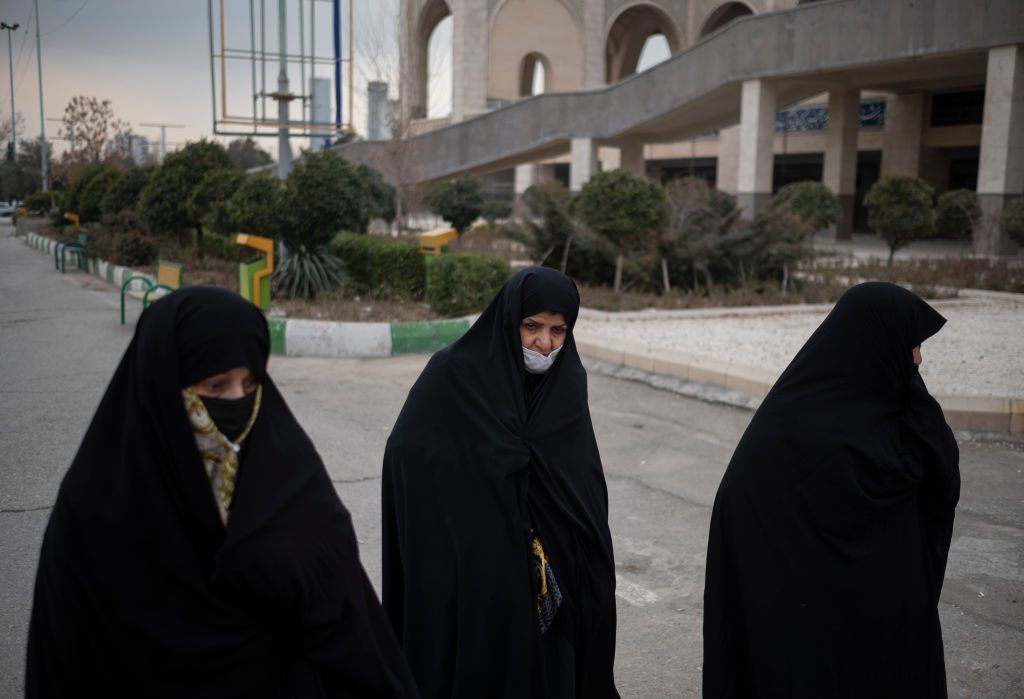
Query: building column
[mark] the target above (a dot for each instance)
(901, 140)
(582, 162)
(727, 169)
(469, 58)
(526, 176)
(594, 70)
(840, 168)
(1001, 163)
(757, 136)
(631, 158)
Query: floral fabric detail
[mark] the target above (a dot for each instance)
(549, 596)
(218, 453)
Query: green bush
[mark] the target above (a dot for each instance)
(91, 199)
(224, 247)
(811, 201)
(1012, 221)
(459, 202)
(381, 194)
(73, 194)
(626, 209)
(42, 202)
(458, 284)
(900, 210)
(135, 249)
(495, 209)
(163, 201)
(957, 213)
(123, 192)
(382, 267)
(208, 201)
(255, 207)
(323, 195)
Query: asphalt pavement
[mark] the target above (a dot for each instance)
(663, 454)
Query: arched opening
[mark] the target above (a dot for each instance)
(432, 96)
(723, 15)
(641, 32)
(533, 75)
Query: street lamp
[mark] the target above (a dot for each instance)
(10, 63)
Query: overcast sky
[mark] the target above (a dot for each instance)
(151, 58)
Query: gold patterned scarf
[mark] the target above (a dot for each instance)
(219, 454)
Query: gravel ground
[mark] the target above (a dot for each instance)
(977, 353)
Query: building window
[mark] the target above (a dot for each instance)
(957, 108)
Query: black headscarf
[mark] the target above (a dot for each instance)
(470, 467)
(142, 591)
(833, 521)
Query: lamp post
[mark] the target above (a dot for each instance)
(10, 63)
(42, 117)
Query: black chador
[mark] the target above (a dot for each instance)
(146, 589)
(482, 463)
(833, 521)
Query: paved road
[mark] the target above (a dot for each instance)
(664, 456)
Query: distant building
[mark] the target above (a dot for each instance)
(377, 112)
(320, 110)
(138, 149)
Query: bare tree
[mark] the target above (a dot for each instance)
(89, 125)
(5, 128)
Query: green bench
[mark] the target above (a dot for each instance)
(168, 279)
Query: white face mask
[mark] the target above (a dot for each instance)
(537, 363)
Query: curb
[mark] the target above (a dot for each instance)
(295, 337)
(697, 374)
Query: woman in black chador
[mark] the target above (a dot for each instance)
(499, 578)
(197, 547)
(832, 524)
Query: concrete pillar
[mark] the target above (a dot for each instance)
(839, 172)
(727, 170)
(901, 140)
(469, 58)
(582, 162)
(594, 71)
(631, 158)
(1001, 164)
(757, 136)
(526, 176)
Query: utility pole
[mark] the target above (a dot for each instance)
(163, 135)
(71, 132)
(10, 62)
(283, 96)
(42, 114)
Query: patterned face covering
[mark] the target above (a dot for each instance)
(219, 454)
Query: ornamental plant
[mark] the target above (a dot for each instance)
(459, 202)
(626, 209)
(900, 210)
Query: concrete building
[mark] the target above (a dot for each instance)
(378, 107)
(756, 94)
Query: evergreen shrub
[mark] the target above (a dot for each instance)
(458, 284)
(382, 267)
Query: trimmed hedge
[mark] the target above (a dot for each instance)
(458, 284)
(382, 267)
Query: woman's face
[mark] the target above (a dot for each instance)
(543, 332)
(917, 355)
(230, 385)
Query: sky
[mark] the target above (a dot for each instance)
(151, 58)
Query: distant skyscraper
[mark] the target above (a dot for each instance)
(377, 112)
(320, 110)
(138, 147)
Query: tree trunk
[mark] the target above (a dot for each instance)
(707, 279)
(664, 275)
(618, 274)
(696, 284)
(785, 276)
(565, 253)
(892, 252)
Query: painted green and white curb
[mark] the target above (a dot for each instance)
(295, 337)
